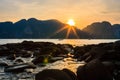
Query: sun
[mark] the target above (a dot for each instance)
(71, 22)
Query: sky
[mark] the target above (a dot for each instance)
(84, 12)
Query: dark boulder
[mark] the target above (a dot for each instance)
(4, 51)
(94, 53)
(70, 73)
(79, 51)
(26, 54)
(111, 55)
(52, 74)
(110, 66)
(53, 59)
(3, 64)
(94, 70)
(39, 59)
(19, 67)
(19, 61)
(11, 57)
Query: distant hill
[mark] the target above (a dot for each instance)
(103, 30)
(54, 29)
(33, 28)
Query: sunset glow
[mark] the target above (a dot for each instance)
(71, 22)
(84, 12)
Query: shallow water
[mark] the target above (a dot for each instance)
(68, 63)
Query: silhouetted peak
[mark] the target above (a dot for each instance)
(115, 25)
(53, 21)
(95, 24)
(32, 20)
(7, 22)
(106, 23)
(21, 21)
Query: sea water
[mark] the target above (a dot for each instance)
(77, 42)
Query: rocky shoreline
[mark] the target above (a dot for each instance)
(102, 60)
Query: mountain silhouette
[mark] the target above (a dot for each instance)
(54, 29)
(103, 30)
(33, 28)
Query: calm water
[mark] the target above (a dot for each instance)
(78, 42)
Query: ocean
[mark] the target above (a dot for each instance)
(76, 42)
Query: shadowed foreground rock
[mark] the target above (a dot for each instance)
(70, 73)
(94, 70)
(53, 74)
(19, 67)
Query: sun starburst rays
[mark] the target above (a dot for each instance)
(69, 28)
(68, 32)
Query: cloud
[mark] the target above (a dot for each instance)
(7, 6)
(112, 6)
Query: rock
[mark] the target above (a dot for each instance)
(27, 54)
(80, 51)
(37, 52)
(94, 53)
(110, 66)
(53, 59)
(71, 74)
(94, 70)
(116, 45)
(68, 47)
(3, 64)
(111, 55)
(52, 74)
(4, 51)
(19, 61)
(108, 46)
(117, 76)
(39, 59)
(11, 57)
(19, 67)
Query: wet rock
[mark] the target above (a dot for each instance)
(3, 64)
(110, 66)
(68, 47)
(26, 54)
(117, 45)
(4, 51)
(52, 74)
(70, 73)
(39, 59)
(80, 51)
(53, 59)
(19, 61)
(37, 52)
(11, 57)
(94, 70)
(111, 55)
(19, 67)
(117, 76)
(94, 53)
(108, 46)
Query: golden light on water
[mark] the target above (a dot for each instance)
(71, 22)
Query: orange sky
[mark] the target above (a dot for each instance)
(84, 12)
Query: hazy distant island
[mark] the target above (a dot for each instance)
(54, 29)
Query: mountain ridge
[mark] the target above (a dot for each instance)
(53, 28)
